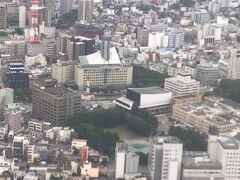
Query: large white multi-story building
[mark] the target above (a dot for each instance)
(225, 149)
(234, 65)
(22, 16)
(165, 158)
(167, 39)
(182, 85)
(120, 153)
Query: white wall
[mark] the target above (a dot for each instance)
(148, 100)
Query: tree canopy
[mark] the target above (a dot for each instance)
(94, 126)
(229, 89)
(143, 77)
(192, 140)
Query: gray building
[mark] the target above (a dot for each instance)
(85, 10)
(65, 5)
(131, 163)
(3, 17)
(207, 74)
(142, 36)
(54, 104)
(175, 39)
(201, 16)
(165, 158)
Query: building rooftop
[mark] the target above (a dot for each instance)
(228, 142)
(166, 139)
(97, 59)
(199, 160)
(122, 147)
(211, 112)
(149, 90)
(58, 91)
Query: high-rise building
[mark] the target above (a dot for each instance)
(234, 65)
(142, 36)
(165, 158)
(65, 5)
(131, 163)
(14, 118)
(85, 10)
(76, 46)
(54, 104)
(3, 17)
(50, 10)
(125, 162)
(22, 16)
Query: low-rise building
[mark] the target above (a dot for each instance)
(154, 99)
(197, 165)
(78, 144)
(89, 171)
(204, 116)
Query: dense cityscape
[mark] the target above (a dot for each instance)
(120, 89)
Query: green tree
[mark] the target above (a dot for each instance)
(192, 140)
(143, 77)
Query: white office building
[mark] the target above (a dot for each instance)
(182, 85)
(225, 149)
(165, 158)
(234, 65)
(22, 16)
(120, 153)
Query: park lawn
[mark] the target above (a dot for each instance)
(124, 133)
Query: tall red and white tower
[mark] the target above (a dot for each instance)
(34, 31)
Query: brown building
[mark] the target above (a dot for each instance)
(54, 104)
(3, 17)
(187, 99)
(142, 36)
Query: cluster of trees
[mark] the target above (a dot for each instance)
(229, 89)
(192, 140)
(94, 126)
(143, 77)
(98, 138)
(68, 19)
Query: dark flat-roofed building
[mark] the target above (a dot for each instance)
(54, 104)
